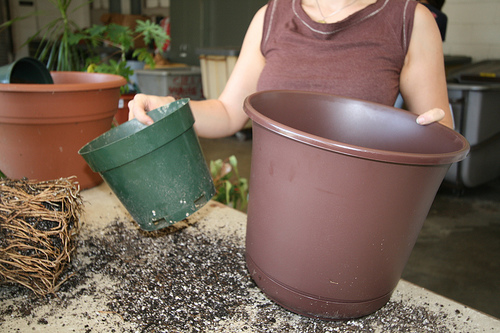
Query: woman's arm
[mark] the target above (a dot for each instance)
(423, 79)
(223, 116)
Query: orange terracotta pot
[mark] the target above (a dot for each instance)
(42, 126)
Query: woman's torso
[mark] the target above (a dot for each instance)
(358, 57)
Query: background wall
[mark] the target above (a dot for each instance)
(473, 25)
(473, 28)
(24, 29)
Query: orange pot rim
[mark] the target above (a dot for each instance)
(69, 81)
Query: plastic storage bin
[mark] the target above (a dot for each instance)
(179, 82)
(474, 93)
(216, 67)
(217, 64)
(452, 62)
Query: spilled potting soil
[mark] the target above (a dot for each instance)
(189, 280)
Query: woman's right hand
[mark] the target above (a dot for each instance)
(141, 104)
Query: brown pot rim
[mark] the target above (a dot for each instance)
(69, 81)
(398, 157)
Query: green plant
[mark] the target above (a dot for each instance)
(231, 189)
(121, 39)
(73, 48)
(60, 54)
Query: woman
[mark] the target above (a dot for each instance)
(435, 6)
(367, 49)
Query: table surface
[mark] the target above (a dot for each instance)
(192, 278)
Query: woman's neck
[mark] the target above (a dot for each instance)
(331, 11)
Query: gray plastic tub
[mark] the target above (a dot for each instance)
(474, 93)
(179, 82)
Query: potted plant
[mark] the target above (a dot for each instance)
(82, 49)
(120, 42)
(44, 125)
(231, 189)
(73, 49)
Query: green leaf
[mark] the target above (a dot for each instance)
(230, 188)
(95, 31)
(233, 161)
(7, 24)
(228, 191)
(151, 32)
(144, 55)
(215, 167)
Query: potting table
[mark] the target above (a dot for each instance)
(225, 303)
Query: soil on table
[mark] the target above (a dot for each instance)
(188, 280)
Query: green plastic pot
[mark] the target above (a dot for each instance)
(25, 70)
(158, 172)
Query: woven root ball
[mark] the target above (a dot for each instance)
(38, 224)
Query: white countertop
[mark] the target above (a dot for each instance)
(194, 280)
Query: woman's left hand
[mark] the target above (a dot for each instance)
(430, 116)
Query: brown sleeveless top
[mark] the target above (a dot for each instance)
(358, 57)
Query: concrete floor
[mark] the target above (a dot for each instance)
(457, 254)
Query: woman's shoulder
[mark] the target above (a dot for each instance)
(400, 4)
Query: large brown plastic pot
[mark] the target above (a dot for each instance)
(339, 190)
(43, 126)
